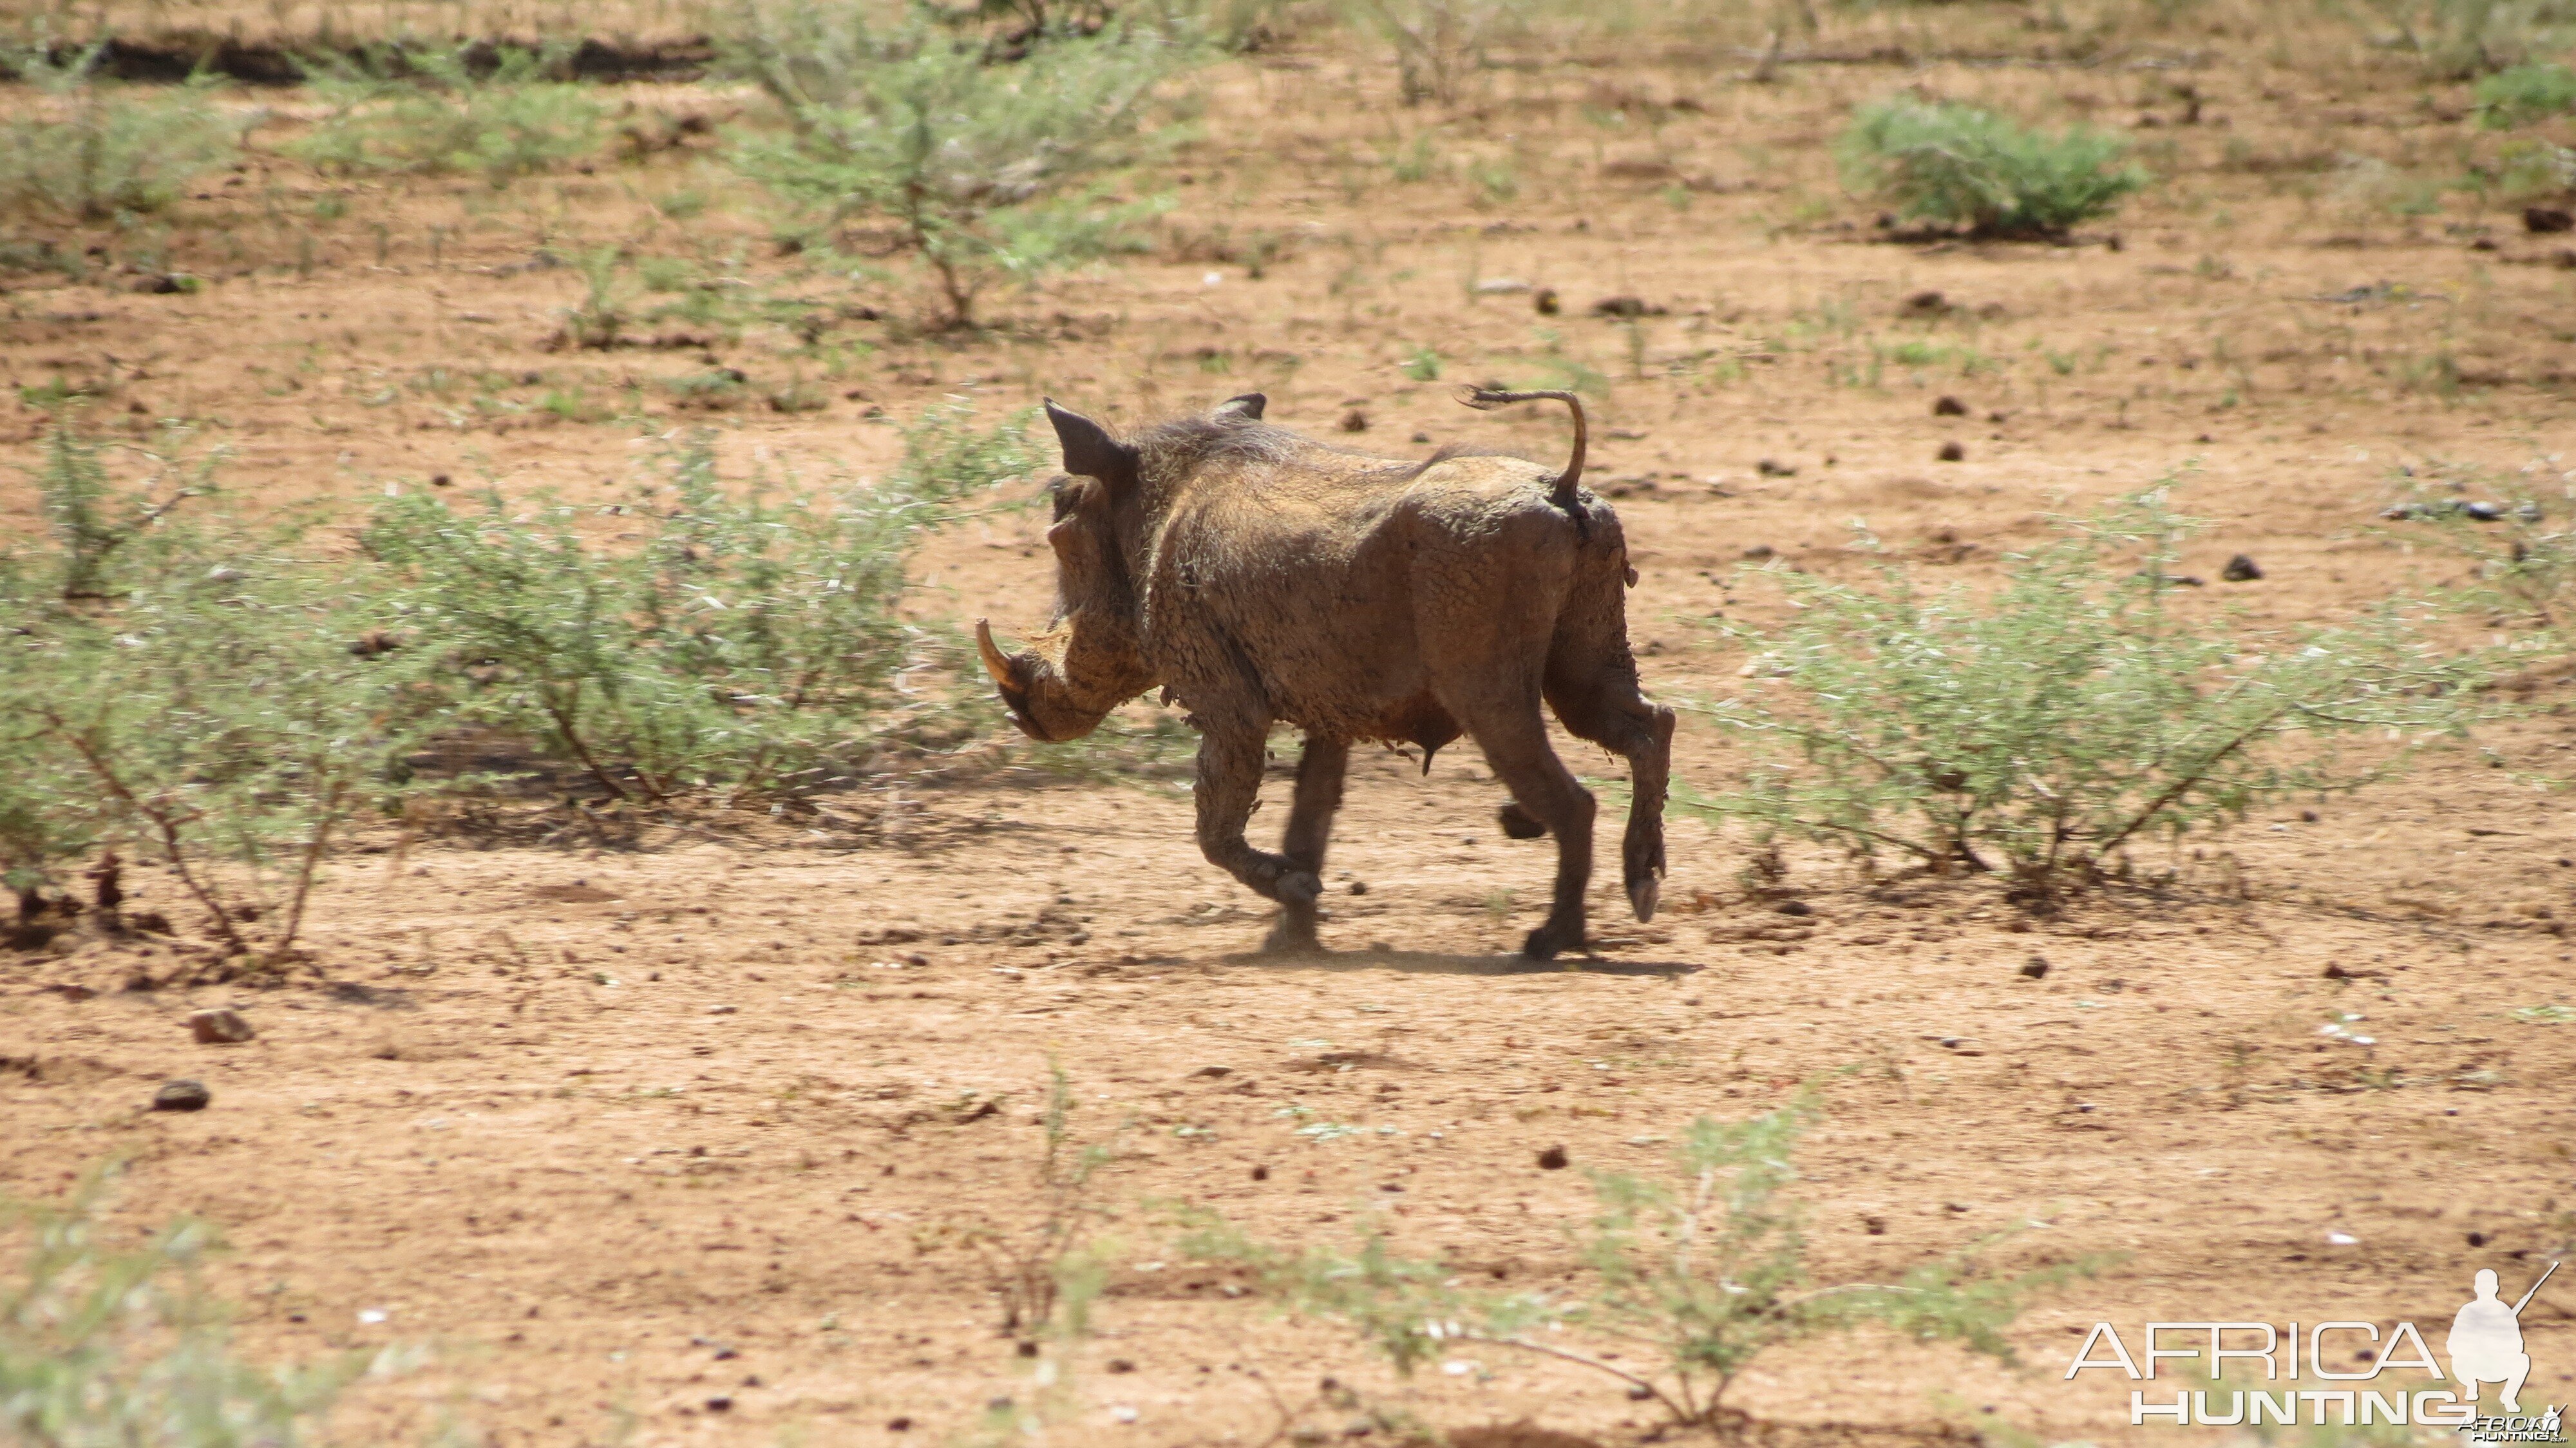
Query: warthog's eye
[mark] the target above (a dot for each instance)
(1060, 491)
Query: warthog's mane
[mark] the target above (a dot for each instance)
(1171, 451)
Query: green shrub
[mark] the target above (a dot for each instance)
(743, 644)
(2042, 731)
(430, 111)
(91, 152)
(196, 696)
(1955, 165)
(983, 170)
(1694, 1277)
(104, 1346)
(2456, 39)
(2524, 94)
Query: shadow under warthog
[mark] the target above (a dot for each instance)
(1434, 962)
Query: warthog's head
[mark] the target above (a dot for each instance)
(1089, 661)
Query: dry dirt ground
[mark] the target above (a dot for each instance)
(653, 1134)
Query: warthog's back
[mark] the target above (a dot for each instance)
(1339, 585)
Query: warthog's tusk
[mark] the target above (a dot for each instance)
(994, 663)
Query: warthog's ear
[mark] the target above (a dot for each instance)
(1247, 408)
(1090, 451)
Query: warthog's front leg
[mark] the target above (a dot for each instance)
(1230, 760)
(1310, 827)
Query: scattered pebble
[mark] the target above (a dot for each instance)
(1949, 407)
(220, 1026)
(2035, 968)
(1552, 1159)
(719, 1010)
(1501, 286)
(1952, 452)
(1796, 907)
(720, 1403)
(181, 1095)
(1354, 421)
(2241, 569)
(1773, 468)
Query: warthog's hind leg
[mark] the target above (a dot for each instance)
(1514, 739)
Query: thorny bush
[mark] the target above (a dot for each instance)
(2042, 731)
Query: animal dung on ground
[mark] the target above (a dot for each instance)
(2035, 968)
(1949, 407)
(1553, 1159)
(2241, 569)
(1771, 468)
(1926, 304)
(1354, 421)
(2540, 220)
(1952, 452)
(181, 1095)
(220, 1026)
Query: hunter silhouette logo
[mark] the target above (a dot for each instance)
(2486, 1341)
(2301, 1378)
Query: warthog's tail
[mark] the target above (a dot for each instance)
(1486, 399)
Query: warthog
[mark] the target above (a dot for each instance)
(1257, 576)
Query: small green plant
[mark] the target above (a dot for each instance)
(1691, 1277)
(1422, 366)
(437, 111)
(2524, 94)
(2456, 39)
(983, 171)
(1437, 43)
(91, 151)
(2521, 548)
(2041, 732)
(1047, 1269)
(107, 1345)
(607, 306)
(1955, 165)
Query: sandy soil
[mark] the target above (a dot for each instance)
(655, 1135)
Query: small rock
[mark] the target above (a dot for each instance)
(1545, 302)
(720, 1010)
(2334, 971)
(1354, 421)
(182, 1095)
(1759, 551)
(1121, 1365)
(1875, 1226)
(1261, 1173)
(1630, 307)
(1213, 1072)
(1952, 452)
(2544, 219)
(1927, 304)
(1359, 887)
(1552, 1159)
(720, 1403)
(1422, 437)
(220, 1026)
(1949, 407)
(898, 1425)
(2035, 968)
(2241, 569)
(2477, 1239)
(1501, 287)
(1796, 907)
(1770, 468)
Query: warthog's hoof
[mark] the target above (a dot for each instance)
(1548, 941)
(1643, 895)
(1519, 823)
(1291, 937)
(1299, 887)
